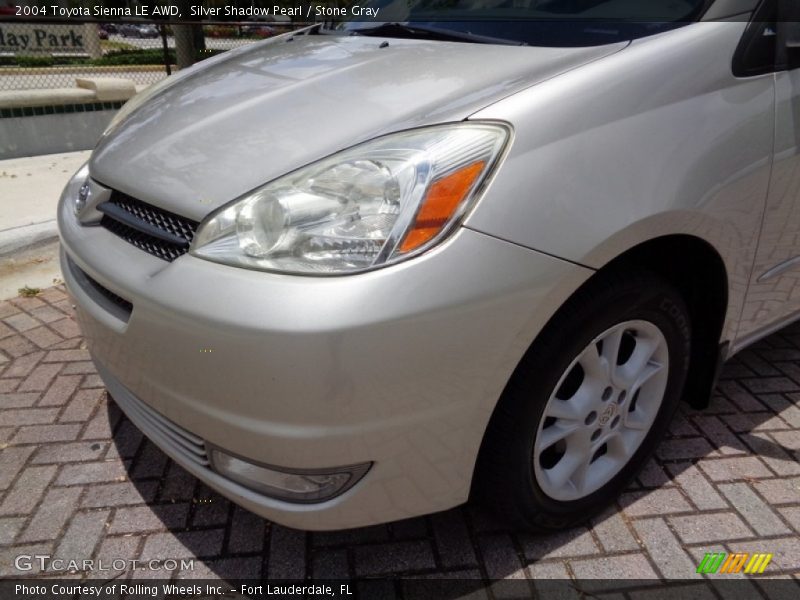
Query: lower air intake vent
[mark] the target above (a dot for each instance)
(112, 302)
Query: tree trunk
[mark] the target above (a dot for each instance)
(185, 39)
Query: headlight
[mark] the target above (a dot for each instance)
(76, 193)
(370, 206)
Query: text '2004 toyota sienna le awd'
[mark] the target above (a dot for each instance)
(353, 275)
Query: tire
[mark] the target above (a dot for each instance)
(566, 388)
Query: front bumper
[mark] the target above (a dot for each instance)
(400, 367)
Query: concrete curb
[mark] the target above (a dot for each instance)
(19, 239)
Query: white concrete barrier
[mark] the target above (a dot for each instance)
(46, 121)
(89, 89)
(50, 97)
(108, 89)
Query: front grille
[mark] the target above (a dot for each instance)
(154, 230)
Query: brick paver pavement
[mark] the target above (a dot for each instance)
(78, 481)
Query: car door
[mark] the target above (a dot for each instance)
(773, 296)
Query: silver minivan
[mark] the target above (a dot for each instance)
(352, 275)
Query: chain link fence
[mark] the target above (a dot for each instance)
(39, 55)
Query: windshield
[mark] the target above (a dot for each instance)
(531, 22)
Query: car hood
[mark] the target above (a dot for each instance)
(225, 128)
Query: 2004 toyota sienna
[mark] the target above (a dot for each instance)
(352, 275)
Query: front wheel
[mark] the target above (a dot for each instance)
(588, 403)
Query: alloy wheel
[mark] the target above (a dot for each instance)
(601, 410)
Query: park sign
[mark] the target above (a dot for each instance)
(29, 38)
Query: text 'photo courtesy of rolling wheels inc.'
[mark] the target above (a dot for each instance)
(402, 299)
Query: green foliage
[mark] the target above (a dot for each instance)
(29, 292)
(109, 45)
(149, 56)
(221, 31)
(35, 61)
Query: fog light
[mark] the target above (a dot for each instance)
(296, 485)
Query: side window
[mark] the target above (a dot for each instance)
(757, 51)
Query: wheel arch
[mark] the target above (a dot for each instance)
(690, 265)
(695, 268)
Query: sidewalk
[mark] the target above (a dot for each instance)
(29, 192)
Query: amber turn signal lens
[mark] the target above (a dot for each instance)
(440, 204)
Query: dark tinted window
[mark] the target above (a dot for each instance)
(542, 22)
(757, 52)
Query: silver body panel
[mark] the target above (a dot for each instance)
(336, 370)
(284, 105)
(649, 155)
(612, 146)
(774, 293)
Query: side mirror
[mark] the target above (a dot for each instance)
(789, 33)
(792, 36)
(789, 44)
(789, 21)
